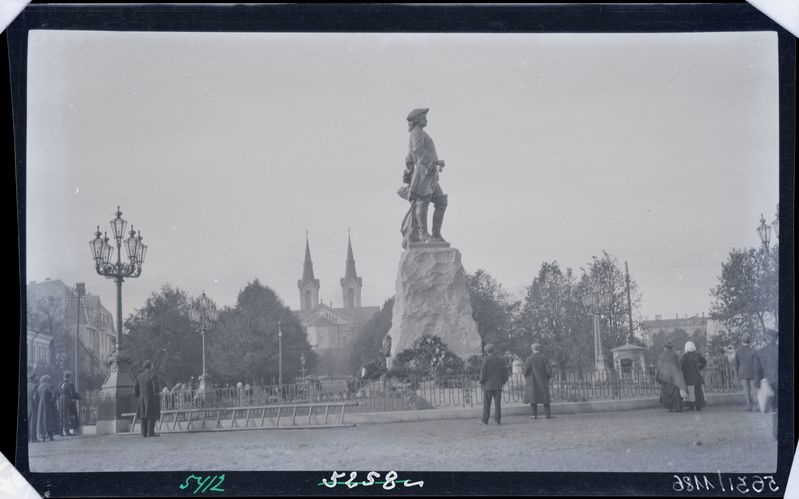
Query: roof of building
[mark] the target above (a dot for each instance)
(358, 315)
(627, 346)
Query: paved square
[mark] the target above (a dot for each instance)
(721, 438)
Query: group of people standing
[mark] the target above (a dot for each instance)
(494, 374)
(52, 410)
(680, 378)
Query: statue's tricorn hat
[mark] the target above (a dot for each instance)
(417, 113)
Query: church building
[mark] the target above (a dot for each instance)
(331, 330)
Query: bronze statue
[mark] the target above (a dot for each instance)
(422, 167)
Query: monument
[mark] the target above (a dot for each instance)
(431, 296)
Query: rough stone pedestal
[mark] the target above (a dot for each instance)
(116, 398)
(431, 299)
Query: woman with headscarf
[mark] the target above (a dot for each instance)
(536, 382)
(692, 364)
(670, 377)
(47, 417)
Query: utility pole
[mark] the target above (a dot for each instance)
(80, 290)
(629, 302)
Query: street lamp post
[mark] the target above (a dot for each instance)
(80, 290)
(302, 363)
(595, 301)
(103, 254)
(279, 357)
(203, 315)
(117, 391)
(764, 231)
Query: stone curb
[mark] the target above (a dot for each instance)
(517, 409)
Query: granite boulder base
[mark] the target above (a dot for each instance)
(431, 299)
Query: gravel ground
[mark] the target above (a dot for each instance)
(721, 438)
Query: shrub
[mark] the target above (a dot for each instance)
(428, 357)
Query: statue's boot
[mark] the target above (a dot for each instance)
(438, 219)
(421, 220)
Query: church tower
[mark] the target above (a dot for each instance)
(351, 284)
(308, 285)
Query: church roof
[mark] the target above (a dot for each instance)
(358, 315)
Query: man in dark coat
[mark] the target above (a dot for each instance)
(33, 407)
(67, 395)
(493, 375)
(537, 373)
(149, 408)
(747, 370)
(47, 415)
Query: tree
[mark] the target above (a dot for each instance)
(746, 297)
(493, 309)
(368, 343)
(606, 273)
(244, 346)
(162, 332)
(553, 316)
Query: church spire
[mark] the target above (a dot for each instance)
(351, 284)
(308, 285)
(349, 272)
(307, 267)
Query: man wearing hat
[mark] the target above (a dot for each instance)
(745, 359)
(537, 373)
(149, 407)
(67, 395)
(492, 376)
(422, 167)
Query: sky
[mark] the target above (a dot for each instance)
(224, 148)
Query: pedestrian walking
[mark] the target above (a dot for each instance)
(537, 373)
(47, 415)
(493, 375)
(149, 407)
(33, 407)
(670, 377)
(745, 365)
(692, 364)
(67, 395)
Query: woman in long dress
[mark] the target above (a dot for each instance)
(672, 382)
(692, 364)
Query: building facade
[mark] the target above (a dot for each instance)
(51, 324)
(331, 330)
(678, 330)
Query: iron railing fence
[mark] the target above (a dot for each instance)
(426, 393)
(444, 391)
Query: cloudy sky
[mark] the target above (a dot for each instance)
(223, 149)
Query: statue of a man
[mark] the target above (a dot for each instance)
(422, 167)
